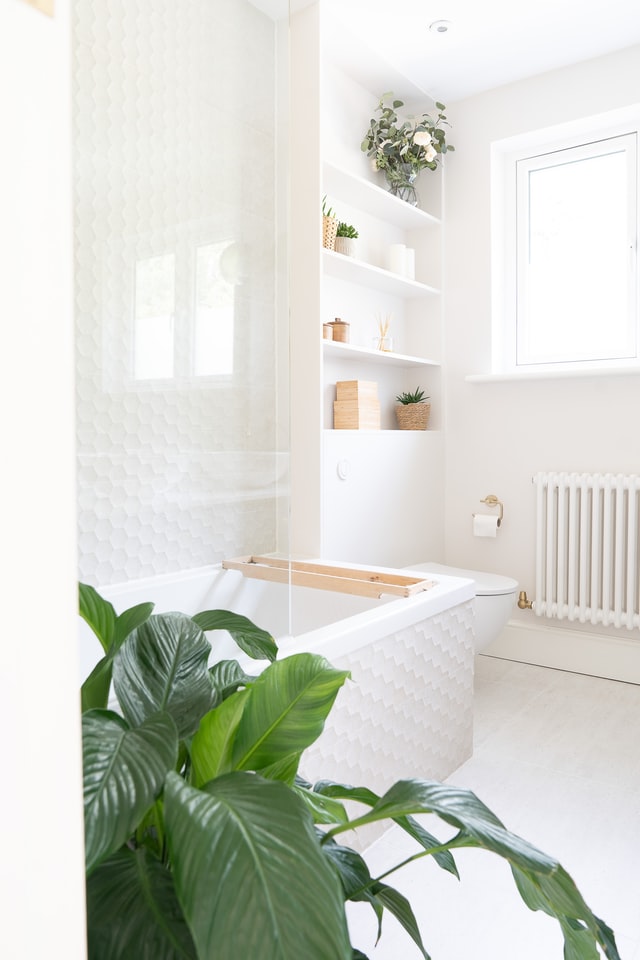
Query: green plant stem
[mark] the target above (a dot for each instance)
(416, 856)
(455, 844)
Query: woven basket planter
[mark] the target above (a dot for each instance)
(413, 416)
(329, 230)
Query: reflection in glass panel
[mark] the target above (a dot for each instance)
(216, 275)
(176, 473)
(155, 295)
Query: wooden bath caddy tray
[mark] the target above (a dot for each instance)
(364, 583)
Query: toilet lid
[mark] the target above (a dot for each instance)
(487, 584)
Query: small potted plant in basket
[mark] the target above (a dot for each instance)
(412, 410)
(329, 225)
(346, 237)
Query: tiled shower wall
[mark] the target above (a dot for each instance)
(181, 458)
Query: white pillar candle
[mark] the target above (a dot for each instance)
(397, 258)
(410, 263)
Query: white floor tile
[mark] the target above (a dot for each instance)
(555, 757)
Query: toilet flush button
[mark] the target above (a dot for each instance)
(343, 469)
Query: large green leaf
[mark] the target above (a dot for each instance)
(558, 897)
(98, 613)
(354, 876)
(127, 622)
(111, 631)
(285, 710)
(284, 769)
(462, 809)
(150, 831)
(256, 643)
(322, 809)
(133, 911)
(330, 788)
(123, 772)
(397, 904)
(227, 676)
(606, 938)
(544, 881)
(443, 858)
(94, 693)
(162, 665)
(578, 942)
(249, 872)
(352, 868)
(212, 745)
(358, 884)
(95, 689)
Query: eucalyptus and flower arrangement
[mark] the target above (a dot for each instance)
(401, 148)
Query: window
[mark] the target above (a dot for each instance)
(566, 282)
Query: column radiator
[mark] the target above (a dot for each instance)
(587, 539)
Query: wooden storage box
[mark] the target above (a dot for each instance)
(356, 390)
(356, 414)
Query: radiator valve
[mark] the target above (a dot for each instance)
(523, 603)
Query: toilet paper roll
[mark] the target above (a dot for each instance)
(484, 525)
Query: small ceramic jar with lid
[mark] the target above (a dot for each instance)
(340, 330)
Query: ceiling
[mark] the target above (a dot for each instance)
(488, 43)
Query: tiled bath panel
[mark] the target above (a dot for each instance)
(407, 711)
(174, 147)
(556, 758)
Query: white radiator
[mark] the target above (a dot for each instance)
(587, 540)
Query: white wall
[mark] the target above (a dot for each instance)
(501, 433)
(42, 883)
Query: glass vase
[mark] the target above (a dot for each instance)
(401, 179)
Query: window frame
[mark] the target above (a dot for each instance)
(506, 156)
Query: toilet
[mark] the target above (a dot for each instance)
(495, 598)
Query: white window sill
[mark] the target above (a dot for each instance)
(520, 375)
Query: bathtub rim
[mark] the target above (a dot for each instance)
(331, 640)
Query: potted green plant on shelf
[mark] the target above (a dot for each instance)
(413, 410)
(346, 237)
(402, 148)
(329, 225)
(202, 840)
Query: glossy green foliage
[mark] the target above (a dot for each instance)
(204, 843)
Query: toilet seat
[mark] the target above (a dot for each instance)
(487, 584)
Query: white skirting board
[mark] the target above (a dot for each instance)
(598, 655)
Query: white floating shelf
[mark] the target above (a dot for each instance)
(334, 348)
(378, 202)
(357, 271)
(408, 436)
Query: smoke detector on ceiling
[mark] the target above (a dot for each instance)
(439, 26)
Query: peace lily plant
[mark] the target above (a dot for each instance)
(203, 840)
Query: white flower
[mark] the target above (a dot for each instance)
(422, 138)
(430, 153)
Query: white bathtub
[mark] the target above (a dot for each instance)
(408, 709)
